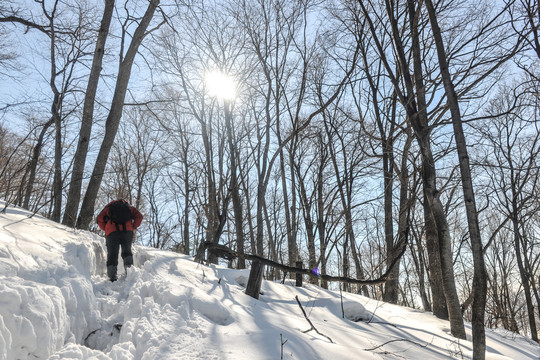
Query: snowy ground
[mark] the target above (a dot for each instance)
(56, 303)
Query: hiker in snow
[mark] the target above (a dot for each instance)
(118, 219)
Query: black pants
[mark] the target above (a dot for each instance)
(114, 241)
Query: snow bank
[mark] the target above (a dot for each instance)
(33, 319)
(46, 293)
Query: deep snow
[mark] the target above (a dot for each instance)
(56, 303)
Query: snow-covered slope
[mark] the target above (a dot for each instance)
(56, 303)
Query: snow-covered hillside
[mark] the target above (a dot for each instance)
(56, 303)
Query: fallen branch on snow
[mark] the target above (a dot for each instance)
(224, 252)
(396, 340)
(309, 321)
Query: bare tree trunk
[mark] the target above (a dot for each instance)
(235, 188)
(344, 181)
(57, 181)
(310, 233)
(530, 272)
(216, 220)
(113, 120)
(273, 250)
(33, 164)
(253, 287)
(480, 276)
(391, 287)
(79, 160)
(523, 274)
(187, 191)
(419, 263)
(290, 211)
(445, 250)
(435, 209)
(55, 114)
(404, 220)
(433, 239)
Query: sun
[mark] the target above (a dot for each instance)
(220, 85)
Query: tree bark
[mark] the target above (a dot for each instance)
(435, 209)
(419, 263)
(440, 306)
(253, 287)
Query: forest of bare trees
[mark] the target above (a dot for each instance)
(363, 137)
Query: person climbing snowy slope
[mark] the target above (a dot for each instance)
(118, 219)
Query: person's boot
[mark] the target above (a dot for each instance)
(128, 262)
(111, 272)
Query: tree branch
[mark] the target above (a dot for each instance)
(29, 24)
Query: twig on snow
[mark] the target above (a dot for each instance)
(282, 344)
(396, 340)
(309, 321)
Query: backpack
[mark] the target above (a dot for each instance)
(120, 213)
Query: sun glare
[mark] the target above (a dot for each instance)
(220, 85)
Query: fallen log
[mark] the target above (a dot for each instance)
(225, 252)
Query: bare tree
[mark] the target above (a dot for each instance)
(503, 302)
(412, 98)
(513, 164)
(65, 29)
(480, 277)
(285, 26)
(113, 120)
(79, 160)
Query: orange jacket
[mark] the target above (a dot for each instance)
(108, 226)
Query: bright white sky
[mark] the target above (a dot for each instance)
(220, 85)
(55, 299)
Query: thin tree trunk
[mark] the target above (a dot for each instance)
(235, 188)
(405, 205)
(419, 264)
(292, 252)
(345, 186)
(524, 276)
(55, 113)
(33, 164)
(321, 224)
(273, 250)
(310, 233)
(187, 190)
(57, 181)
(391, 286)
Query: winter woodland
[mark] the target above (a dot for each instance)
(394, 141)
